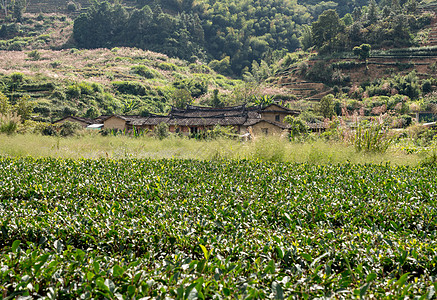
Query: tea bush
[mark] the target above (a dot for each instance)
(215, 229)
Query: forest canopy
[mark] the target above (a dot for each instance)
(232, 34)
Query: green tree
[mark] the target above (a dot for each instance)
(362, 51)
(181, 98)
(24, 107)
(326, 29)
(69, 128)
(92, 112)
(326, 106)
(4, 4)
(216, 101)
(373, 14)
(246, 91)
(102, 26)
(161, 131)
(306, 40)
(347, 19)
(297, 126)
(356, 14)
(222, 66)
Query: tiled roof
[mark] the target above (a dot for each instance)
(208, 112)
(85, 120)
(101, 119)
(198, 116)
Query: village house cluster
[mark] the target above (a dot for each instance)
(191, 120)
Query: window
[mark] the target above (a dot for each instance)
(265, 131)
(277, 118)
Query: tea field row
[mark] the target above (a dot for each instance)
(187, 229)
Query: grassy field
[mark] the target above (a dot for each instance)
(242, 229)
(95, 146)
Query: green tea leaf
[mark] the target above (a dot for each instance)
(205, 252)
(15, 245)
(402, 280)
(371, 277)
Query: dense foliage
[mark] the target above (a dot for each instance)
(381, 26)
(239, 31)
(106, 25)
(186, 229)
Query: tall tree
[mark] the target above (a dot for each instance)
(326, 106)
(326, 29)
(306, 39)
(372, 15)
(181, 98)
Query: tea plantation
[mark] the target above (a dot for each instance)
(131, 229)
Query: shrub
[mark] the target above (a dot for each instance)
(86, 88)
(303, 68)
(55, 64)
(58, 94)
(130, 87)
(73, 91)
(166, 66)
(427, 86)
(406, 120)
(17, 77)
(161, 131)
(46, 129)
(97, 87)
(198, 68)
(220, 132)
(17, 46)
(223, 66)
(298, 126)
(320, 72)
(68, 111)
(144, 72)
(196, 87)
(9, 123)
(92, 112)
(371, 138)
(34, 55)
(69, 128)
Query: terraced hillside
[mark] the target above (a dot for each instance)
(382, 63)
(301, 88)
(378, 66)
(121, 80)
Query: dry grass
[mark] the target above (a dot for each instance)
(100, 66)
(94, 146)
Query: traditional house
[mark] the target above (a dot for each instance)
(123, 122)
(196, 119)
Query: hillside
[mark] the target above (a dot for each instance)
(103, 81)
(241, 40)
(345, 70)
